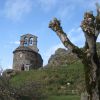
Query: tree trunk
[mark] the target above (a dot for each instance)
(92, 67)
(91, 80)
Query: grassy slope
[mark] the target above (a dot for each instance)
(54, 78)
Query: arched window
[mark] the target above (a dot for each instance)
(25, 41)
(31, 41)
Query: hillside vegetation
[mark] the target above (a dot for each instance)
(56, 80)
(61, 79)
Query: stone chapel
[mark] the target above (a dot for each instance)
(26, 56)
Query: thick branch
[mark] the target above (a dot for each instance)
(97, 20)
(90, 27)
(56, 27)
(98, 9)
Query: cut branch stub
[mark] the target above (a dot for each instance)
(88, 25)
(55, 25)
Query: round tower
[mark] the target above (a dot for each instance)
(26, 56)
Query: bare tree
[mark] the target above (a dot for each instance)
(91, 28)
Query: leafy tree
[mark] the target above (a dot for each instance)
(91, 28)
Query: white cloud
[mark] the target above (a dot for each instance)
(15, 9)
(9, 67)
(51, 51)
(15, 42)
(68, 8)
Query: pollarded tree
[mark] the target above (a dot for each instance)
(91, 28)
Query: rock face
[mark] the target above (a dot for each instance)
(62, 57)
(8, 73)
(26, 56)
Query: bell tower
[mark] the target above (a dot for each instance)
(29, 40)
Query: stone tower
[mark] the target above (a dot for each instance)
(26, 56)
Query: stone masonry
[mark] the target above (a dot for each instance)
(26, 56)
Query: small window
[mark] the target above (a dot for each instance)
(31, 41)
(26, 42)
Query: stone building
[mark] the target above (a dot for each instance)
(26, 56)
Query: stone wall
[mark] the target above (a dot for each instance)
(26, 59)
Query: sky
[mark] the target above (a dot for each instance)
(18, 17)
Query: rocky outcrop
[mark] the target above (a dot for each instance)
(8, 73)
(62, 57)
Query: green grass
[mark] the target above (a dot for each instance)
(69, 97)
(53, 79)
(28, 76)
